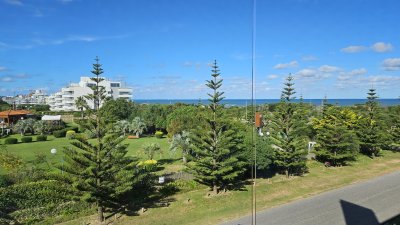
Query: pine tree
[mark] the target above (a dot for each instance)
(370, 134)
(337, 142)
(216, 147)
(289, 145)
(99, 169)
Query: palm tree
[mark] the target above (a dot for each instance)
(137, 126)
(151, 149)
(21, 126)
(122, 127)
(81, 104)
(40, 127)
(181, 142)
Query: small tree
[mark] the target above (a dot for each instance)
(137, 126)
(337, 142)
(81, 104)
(22, 127)
(122, 127)
(151, 149)
(40, 127)
(181, 142)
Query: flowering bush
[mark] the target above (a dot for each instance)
(70, 134)
(159, 134)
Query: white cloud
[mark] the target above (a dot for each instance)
(2, 68)
(354, 49)
(309, 58)
(343, 76)
(328, 69)
(381, 81)
(272, 76)
(391, 64)
(14, 2)
(307, 73)
(12, 78)
(382, 47)
(286, 65)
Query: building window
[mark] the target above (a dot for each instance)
(115, 84)
(90, 85)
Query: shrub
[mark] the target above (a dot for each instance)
(41, 138)
(11, 141)
(26, 139)
(59, 133)
(70, 134)
(159, 134)
(76, 129)
(89, 134)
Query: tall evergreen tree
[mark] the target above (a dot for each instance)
(337, 142)
(216, 148)
(370, 132)
(100, 168)
(289, 144)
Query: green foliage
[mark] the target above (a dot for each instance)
(9, 161)
(33, 194)
(137, 126)
(59, 133)
(288, 142)
(70, 134)
(40, 127)
(181, 142)
(216, 148)
(10, 141)
(159, 134)
(151, 149)
(41, 138)
(81, 104)
(116, 110)
(122, 127)
(183, 118)
(26, 139)
(100, 169)
(337, 142)
(370, 133)
(148, 165)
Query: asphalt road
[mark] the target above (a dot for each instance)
(367, 203)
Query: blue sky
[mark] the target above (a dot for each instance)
(163, 48)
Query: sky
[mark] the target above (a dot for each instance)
(163, 48)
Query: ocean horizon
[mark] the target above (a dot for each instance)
(244, 102)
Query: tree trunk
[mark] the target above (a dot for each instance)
(137, 134)
(287, 173)
(184, 159)
(82, 114)
(215, 188)
(100, 213)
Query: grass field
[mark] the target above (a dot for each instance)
(273, 192)
(27, 151)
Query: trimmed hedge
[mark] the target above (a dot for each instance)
(41, 138)
(70, 134)
(159, 134)
(11, 141)
(59, 133)
(26, 139)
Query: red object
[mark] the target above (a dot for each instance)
(258, 119)
(132, 137)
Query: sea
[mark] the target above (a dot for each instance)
(244, 102)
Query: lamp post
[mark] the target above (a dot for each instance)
(54, 152)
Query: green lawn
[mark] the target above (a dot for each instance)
(273, 192)
(28, 150)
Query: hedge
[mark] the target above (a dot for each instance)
(11, 141)
(59, 133)
(26, 139)
(70, 134)
(41, 138)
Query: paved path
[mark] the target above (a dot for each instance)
(366, 203)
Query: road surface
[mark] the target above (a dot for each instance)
(367, 203)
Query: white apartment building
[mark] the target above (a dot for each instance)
(35, 97)
(64, 100)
